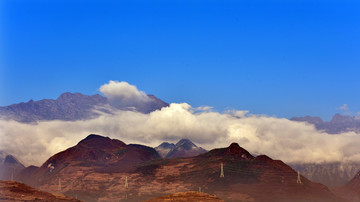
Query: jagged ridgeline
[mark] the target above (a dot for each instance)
(70, 107)
(101, 168)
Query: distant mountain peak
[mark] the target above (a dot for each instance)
(338, 124)
(167, 145)
(65, 95)
(164, 148)
(309, 119)
(9, 166)
(185, 148)
(185, 144)
(184, 140)
(10, 159)
(338, 118)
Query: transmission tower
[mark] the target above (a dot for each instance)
(126, 187)
(126, 182)
(298, 178)
(222, 170)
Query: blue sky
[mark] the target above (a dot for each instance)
(280, 58)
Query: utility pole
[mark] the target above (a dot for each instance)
(222, 171)
(298, 178)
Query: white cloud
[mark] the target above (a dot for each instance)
(204, 108)
(278, 138)
(237, 113)
(344, 107)
(123, 95)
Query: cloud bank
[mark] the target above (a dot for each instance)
(292, 142)
(278, 138)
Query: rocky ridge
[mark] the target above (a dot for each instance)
(69, 107)
(338, 124)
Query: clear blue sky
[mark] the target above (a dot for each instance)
(282, 58)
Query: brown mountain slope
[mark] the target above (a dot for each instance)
(95, 153)
(99, 168)
(14, 191)
(351, 190)
(259, 178)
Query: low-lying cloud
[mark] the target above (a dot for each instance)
(292, 142)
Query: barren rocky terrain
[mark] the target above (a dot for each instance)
(14, 191)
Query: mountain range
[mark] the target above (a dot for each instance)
(338, 124)
(70, 107)
(330, 174)
(98, 163)
(100, 168)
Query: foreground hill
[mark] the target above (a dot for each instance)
(95, 153)
(190, 196)
(68, 107)
(100, 168)
(14, 191)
